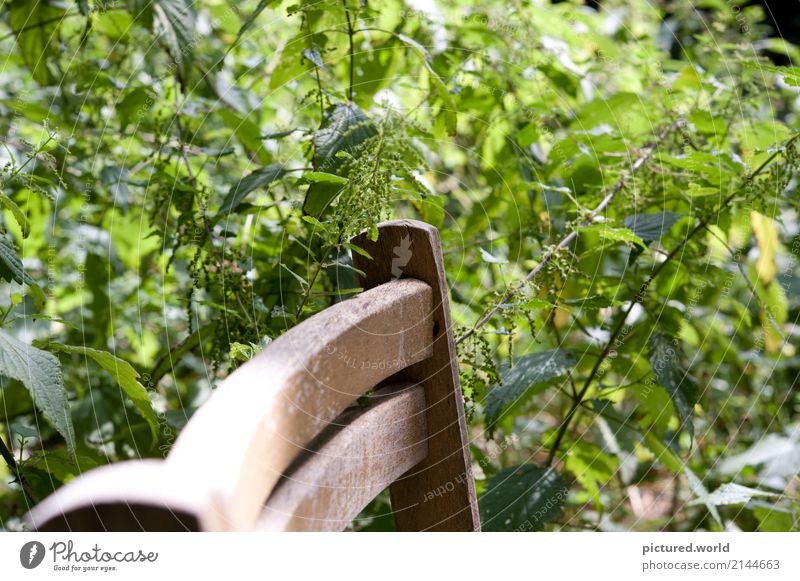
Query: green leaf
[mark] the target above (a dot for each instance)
(19, 215)
(774, 519)
(449, 109)
(651, 227)
(522, 498)
(174, 23)
(664, 360)
(592, 467)
(10, 265)
(133, 104)
(593, 302)
(40, 372)
(344, 128)
(529, 376)
(662, 453)
(252, 181)
(614, 234)
(320, 177)
(701, 493)
(125, 376)
(731, 493)
(36, 24)
(791, 75)
(779, 454)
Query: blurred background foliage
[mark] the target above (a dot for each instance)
(179, 181)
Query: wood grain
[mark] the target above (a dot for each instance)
(234, 449)
(439, 494)
(354, 459)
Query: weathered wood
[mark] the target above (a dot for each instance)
(236, 446)
(355, 458)
(439, 494)
(138, 495)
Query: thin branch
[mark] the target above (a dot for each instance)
(316, 73)
(350, 34)
(201, 205)
(640, 296)
(640, 161)
(35, 25)
(8, 456)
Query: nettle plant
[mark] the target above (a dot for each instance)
(616, 190)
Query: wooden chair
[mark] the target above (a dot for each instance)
(279, 445)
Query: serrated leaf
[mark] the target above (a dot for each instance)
(522, 498)
(791, 75)
(731, 493)
(40, 372)
(10, 265)
(701, 493)
(664, 360)
(11, 269)
(529, 376)
(252, 181)
(124, 374)
(174, 23)
(651, 227)
(344, 128)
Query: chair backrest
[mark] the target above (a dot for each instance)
(279, 445)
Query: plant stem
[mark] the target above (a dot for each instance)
(352, 51)
(201, 206)
(8, 456)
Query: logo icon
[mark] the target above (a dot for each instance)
(31, 554)
(402, 254)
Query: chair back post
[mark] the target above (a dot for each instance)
(439, 493)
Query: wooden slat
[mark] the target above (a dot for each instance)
(137, 495)
(234, 449)
(359, 455)
(439, 494)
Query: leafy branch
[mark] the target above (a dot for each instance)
(639, 297)
(567, 240)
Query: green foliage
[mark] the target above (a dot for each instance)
(40, 372)
(124, 374)
(616, 191)
(522, 498)
(529, 375)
